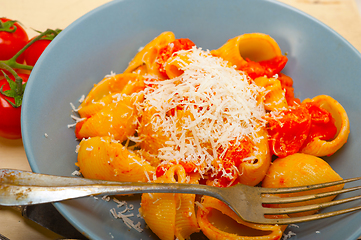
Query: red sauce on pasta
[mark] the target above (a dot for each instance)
(268, 67)
(322, 123)
(294, 128)
(167, 51)
(288, 131)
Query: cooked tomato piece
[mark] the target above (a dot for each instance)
(289, 130)
(322, 123)
(267, 68)
(237, 152)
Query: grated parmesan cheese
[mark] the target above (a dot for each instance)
(288, 235)
(89, 148)
(125, 217)
(220, 105)
(111, 74)
(73, 107)
(81, 99)
(106, 198)
(77, 119)
(77, 148)
(76, 173)
(200, 205)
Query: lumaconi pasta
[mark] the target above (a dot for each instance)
(180, 218)
(107, 159)
(320, 147)
(182, 114)
(218, 221)
(254, 46)
(301, 169)
(146, 60)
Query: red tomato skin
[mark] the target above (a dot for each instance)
(237, 152)
(288, 134)
(322, 124)
(267, 68)
(11, 43)
(33, 52)
(162, 169)
(10, 116)
(274, 66)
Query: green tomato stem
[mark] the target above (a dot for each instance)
(6, 26)
(3, 65)
(18, 80)
(12, 61)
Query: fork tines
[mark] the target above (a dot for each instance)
(317, 206)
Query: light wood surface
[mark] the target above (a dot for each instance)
(341, 15)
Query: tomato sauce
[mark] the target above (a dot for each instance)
(295, 127)
(322, 124)
(269, 67)
(167, 51)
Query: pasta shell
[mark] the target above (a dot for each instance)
(147, 56)
(118, 119)
(218, 221)
(299, 170)
(168, 214)
(252, 172)
(255, 46)
(319, 147)
(275, 98)
(103, 158)
(110, 84)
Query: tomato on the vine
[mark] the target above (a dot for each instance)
(12, 39)
(13, 43)
(10, 115)
(33, 52)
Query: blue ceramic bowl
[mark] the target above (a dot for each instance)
(104, 40)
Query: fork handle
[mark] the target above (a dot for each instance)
(15, 195)
(19, 177)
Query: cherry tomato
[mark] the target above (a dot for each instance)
(9, 115)
(322, 123)
(289, 130)
(12, 38)
(33, 52)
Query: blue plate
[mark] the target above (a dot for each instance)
(106, 39)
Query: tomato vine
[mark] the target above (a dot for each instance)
(13, 46)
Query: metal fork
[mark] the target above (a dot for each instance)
(27, 188)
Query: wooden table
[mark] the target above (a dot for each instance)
(340, 15)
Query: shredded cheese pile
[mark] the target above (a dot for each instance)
(218, 104)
